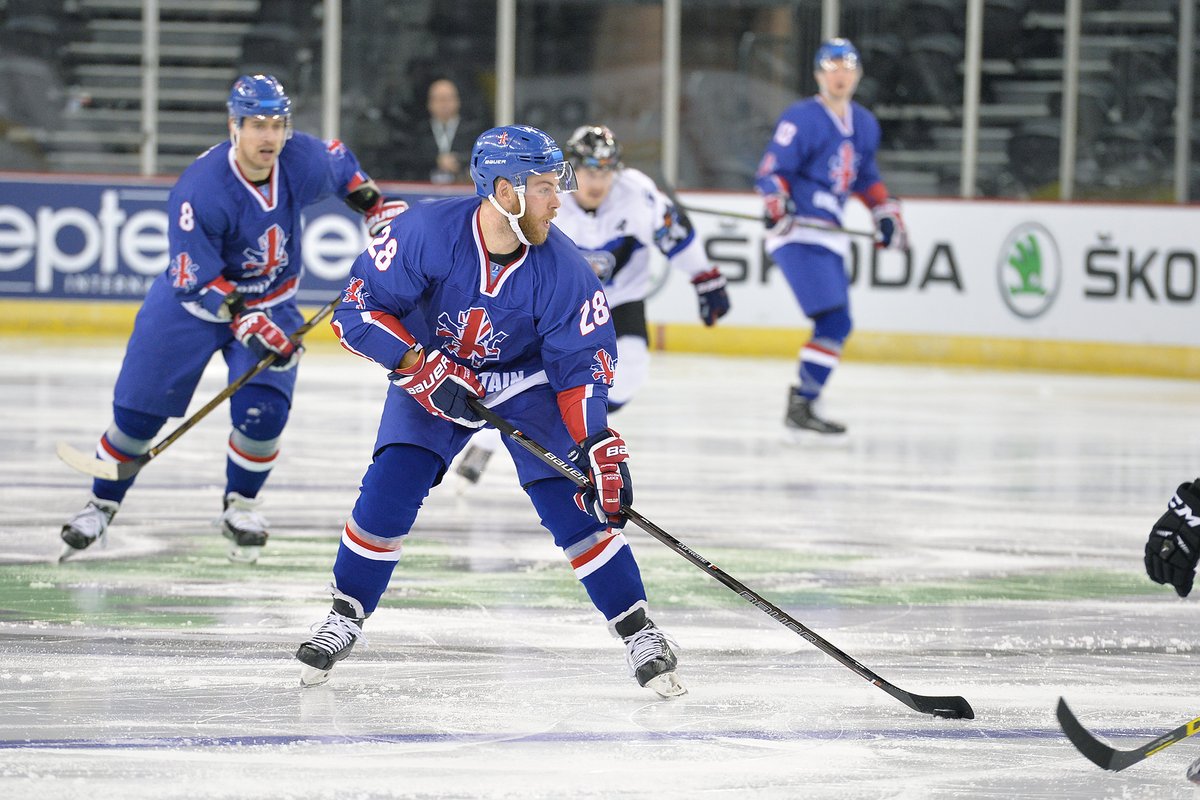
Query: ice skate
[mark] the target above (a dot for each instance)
(1193, 771)
(244, 527)
(87, 526)
(471, 467)
(333, 640)
(801, 416)
(651, 659)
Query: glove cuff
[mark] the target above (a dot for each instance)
(402, 374)
(888, 208)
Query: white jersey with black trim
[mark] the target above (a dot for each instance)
(616, 238)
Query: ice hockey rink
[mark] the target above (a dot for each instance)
(977, 533)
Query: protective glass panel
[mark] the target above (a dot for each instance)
(740, 68)
(418, 83)
(593, 63)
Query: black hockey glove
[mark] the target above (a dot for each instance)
(1174, 545)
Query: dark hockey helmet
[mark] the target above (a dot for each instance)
(594, 147)
(517, 152)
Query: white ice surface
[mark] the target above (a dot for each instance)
(977, 533)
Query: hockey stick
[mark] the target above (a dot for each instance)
(669, 191)
(1110, 758)
(124, 470)
(795, 223)
(948, 707)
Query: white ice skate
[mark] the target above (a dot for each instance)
(652, 661)
(333, 640)
(244, 527)
(87, 527)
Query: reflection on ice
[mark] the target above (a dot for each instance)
(977, 534)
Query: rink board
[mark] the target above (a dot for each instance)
(1083, 287)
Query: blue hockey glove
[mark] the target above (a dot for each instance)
(601, 457)
(1174, 544)
(889, 225)
(710, 291)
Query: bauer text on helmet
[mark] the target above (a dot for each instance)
(514, 153)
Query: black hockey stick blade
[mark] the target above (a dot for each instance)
(947, 707)
(1110, 758)
(952, 707)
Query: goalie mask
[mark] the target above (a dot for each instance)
(594, 147)
(516, 153)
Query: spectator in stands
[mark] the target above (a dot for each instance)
(441, 145)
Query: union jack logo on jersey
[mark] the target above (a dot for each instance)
(843, 169)
(271, 259)
(183, 272)
(354, 293)
(472, 337)
(604, 367)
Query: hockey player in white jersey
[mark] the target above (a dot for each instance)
(616, 217)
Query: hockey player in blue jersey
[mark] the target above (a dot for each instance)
(822, 151)
(615, 218)
(485, 297)
(234, 240)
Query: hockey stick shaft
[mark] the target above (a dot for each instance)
(670, 192)
(1110, 758)
(123, 470)
(795, 223)
(952, 707)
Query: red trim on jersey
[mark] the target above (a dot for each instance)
(572, 405)
(392, 325)
(781, 185)
(267, 201)
(489, 284)
(285, 288)
(874, 194)
(221, 284)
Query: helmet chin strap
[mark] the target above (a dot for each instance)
(513, 218)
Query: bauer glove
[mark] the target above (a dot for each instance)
(261, 336)
(602, 458)
(441, 386)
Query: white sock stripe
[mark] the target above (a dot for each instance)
(819, 357)
(387, 550)
(251, 464)
(610, 549)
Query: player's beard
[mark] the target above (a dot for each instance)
(535, 232)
